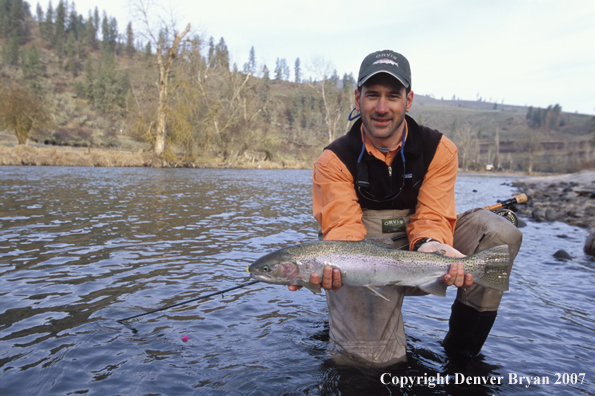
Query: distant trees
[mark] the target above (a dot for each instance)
(250, 66)
(544, 118)
(281, 70)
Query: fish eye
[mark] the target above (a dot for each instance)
(266, 268)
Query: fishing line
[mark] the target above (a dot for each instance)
(188, 301)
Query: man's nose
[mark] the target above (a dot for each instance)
(381, 106)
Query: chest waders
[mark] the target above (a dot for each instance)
(366, 329)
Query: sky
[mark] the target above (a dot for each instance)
(519, 52)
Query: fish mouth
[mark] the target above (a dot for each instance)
(266, 278)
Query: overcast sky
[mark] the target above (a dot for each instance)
(522, 52)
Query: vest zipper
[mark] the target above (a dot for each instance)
(390, 171)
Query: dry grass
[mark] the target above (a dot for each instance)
(69, 156)
(74, 156)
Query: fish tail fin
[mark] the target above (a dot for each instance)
(494, 262)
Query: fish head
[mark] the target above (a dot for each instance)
(278, 267)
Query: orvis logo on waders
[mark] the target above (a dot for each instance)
(390, 226)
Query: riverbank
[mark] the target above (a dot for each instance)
(44, 155)
(569, 198)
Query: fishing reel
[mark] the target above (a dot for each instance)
(508, 215)
(503, 208)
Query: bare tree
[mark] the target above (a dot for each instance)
(165, 54)
(330, 100)
(466, 142)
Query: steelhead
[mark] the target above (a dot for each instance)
(368, 264)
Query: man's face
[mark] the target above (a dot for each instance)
(382, 102)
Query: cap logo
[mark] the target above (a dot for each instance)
(387, 61)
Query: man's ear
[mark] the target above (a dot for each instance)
(409, 101)
(356, 94)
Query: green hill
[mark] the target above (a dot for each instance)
(98, 87)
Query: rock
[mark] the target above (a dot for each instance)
(564, 198)
(562, 255)
(544, 214)
(590, 244)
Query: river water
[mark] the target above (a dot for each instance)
(81, 248)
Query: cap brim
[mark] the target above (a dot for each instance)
(362, 81)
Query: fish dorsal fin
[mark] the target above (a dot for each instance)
(435, 287)
(440, 252)
(376, 291)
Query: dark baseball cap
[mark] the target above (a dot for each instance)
(385, 61)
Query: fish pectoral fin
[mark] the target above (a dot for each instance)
(311, 286)
(376, 291)
(435, 287)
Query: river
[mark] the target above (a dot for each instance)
(81, 248)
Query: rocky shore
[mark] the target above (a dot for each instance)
(568, 198)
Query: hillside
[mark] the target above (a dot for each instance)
(97, 88)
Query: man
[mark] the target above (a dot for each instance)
(389, 177)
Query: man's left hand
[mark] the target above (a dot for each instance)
(456, 275)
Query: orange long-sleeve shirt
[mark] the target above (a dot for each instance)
(336, 207)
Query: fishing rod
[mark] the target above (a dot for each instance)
(519, 199)
(188, 301)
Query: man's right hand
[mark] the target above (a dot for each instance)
(331, 280)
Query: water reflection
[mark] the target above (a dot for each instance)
(81, 248)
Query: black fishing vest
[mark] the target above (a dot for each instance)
(380, 181)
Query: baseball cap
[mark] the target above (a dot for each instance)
(385, 61)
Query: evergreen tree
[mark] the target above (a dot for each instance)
(48, 26)
(252, 61)
(285, 70)
(129, 41)
(334, 80)
(71, 61)
(109, 31)
(60, 30)
(298, 71)
(73, 23)
(11, 51)
(222, 55)
(40, 19)
(278, 70)
(106, 89)
(4, 18)
(96, 19)
(348, 84)
(33, 69)
(89, 79)
(12, 18)
(90, 33)
(211, 53)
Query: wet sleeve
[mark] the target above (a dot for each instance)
(435, 214)
(334, 200)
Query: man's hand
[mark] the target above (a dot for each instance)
(331, 280)
(456, 275)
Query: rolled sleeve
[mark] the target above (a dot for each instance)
(435, 214)
(335, 203)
